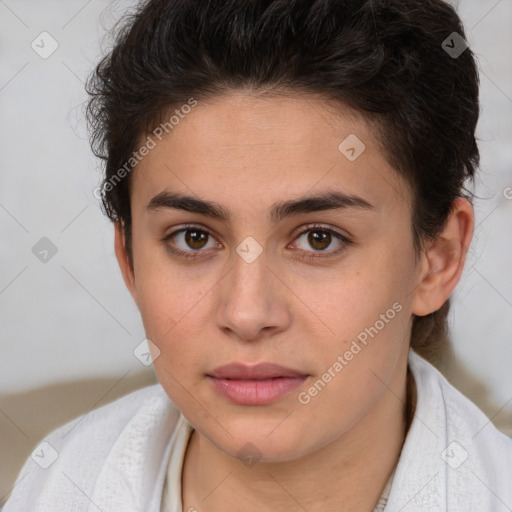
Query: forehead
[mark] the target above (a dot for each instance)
(239, 146)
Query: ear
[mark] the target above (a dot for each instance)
(443, 260)
(124, 261)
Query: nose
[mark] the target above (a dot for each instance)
(253, 302)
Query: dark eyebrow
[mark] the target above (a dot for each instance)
(328, 200)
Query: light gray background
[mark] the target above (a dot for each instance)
(72, 318)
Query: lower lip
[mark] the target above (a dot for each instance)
(256, 392)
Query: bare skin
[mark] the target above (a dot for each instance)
(246, 153)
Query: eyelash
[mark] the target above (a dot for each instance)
(193, 255)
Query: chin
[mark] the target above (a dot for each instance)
(262, 440)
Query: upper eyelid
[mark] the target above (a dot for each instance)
(187, 227)
(309, 227)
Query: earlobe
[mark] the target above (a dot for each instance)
(443, 260)
(123, 260)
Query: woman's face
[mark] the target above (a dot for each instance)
(327, 293)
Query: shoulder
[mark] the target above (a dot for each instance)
(104, 425)
(463, 417)
(453, 455)
(67, 465)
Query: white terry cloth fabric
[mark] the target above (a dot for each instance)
(115, 458)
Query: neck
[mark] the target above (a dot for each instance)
(349, 474)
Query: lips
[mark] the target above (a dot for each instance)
(262, 371)
(261, 384)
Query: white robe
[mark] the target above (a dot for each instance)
(115, 458)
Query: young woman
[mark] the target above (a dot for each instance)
(286, 179)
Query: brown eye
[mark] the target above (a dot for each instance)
(195, 238)
(189, 242)
(319, 239)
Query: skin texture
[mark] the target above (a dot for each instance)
(246, 152)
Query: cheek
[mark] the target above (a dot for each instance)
(352, 297)
(174, 305)
(171, 322)
(171, 319)
(342, 401)
(352, 366)
(164, 291)
(365, 308)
